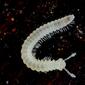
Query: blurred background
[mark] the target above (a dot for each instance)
(18, 18)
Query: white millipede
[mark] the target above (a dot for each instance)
(45, 65)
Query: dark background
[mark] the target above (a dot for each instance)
(18, 18)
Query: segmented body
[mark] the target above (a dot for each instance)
(37, 35)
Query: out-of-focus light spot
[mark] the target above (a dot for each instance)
(1, 39)
(20, 11)
(10, 56)
(78, 9)
(5, 46)
(3, 12)
(12, 19)
(5, 4)
(80, 67)
(33, 12)
(13, 9)
(53, 46)
(5, 33)
(49, 83)
(81, 37)
(7, 9)
(14, 30)
(59, 49)
(77, 26)
(7, 82)
(61, 37)
(8, 13)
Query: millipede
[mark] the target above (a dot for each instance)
(37, 37)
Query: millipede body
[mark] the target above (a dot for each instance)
(38, 36)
